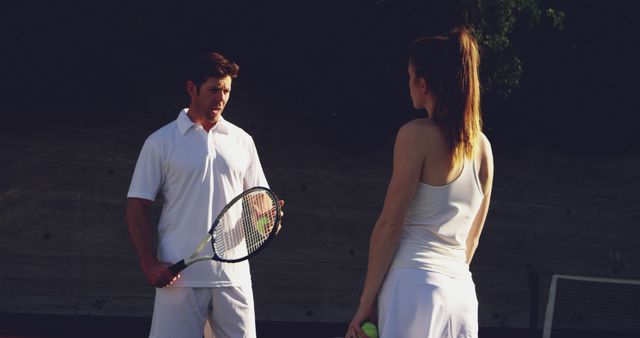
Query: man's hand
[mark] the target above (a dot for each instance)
(144, 238)
(158, 274)
(281, 215)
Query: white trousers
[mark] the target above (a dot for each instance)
(182, 312)
(424, 304)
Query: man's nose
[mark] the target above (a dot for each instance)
(218, 96)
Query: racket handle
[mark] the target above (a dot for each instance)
(176, 268)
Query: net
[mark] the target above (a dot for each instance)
(589, 303)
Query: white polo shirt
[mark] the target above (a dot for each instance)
(197, 173)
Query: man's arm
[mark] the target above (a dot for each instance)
(255, 177)
(143, 235)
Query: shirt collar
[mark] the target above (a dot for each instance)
(185, 123)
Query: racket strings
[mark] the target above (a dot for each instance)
(246, 225)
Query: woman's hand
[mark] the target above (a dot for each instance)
(365, 312)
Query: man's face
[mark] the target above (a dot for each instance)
(208, 101)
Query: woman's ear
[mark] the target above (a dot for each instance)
(423, 85)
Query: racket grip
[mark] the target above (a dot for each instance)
(176, 268)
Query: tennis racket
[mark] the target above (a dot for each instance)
(242, 229)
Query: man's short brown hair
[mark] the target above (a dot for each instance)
(213, 65)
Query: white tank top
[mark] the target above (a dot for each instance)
(435, 230)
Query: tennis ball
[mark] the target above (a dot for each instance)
(261, 225)
(370, 329)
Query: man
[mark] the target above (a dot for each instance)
(198, 162)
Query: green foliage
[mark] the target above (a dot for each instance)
(557, 18)
(494, 22)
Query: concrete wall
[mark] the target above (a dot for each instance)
(64, 247)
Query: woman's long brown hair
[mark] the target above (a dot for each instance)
(450, 65)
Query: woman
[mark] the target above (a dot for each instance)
(436, 203)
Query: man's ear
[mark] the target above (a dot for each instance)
(191, 87)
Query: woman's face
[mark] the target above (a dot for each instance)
(414, 90)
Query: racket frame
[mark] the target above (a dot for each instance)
(182, 264)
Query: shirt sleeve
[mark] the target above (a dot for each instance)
(254, 176)
(147, 176)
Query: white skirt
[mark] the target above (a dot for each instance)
(424, 304)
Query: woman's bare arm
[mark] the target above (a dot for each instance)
(486, 181)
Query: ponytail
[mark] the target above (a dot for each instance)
(450, 65)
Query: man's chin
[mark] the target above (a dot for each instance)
(213, 118)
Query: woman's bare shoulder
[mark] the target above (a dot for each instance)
(422, 136)
(486, 162)
(485, 147)
(421, 128)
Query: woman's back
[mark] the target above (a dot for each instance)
(437, 167)
(441, 213)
